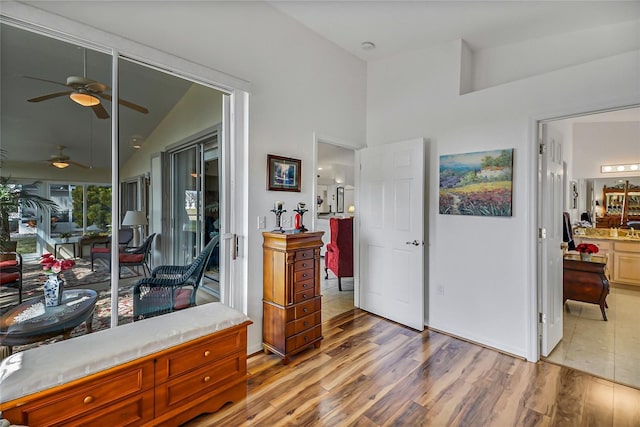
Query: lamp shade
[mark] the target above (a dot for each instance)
(134, 218)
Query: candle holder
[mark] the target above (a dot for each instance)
(278, 213)
(301, 212)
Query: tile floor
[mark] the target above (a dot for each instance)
(610, 349)
(335, 302)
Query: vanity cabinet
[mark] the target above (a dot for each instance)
(291, 293)
(623, 258)
(626, 263)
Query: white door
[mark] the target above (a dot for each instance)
(550, 264)
(391, 237)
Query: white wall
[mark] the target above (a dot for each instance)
(300, 84)
(605, 143)
(486, 265)
(200, 108)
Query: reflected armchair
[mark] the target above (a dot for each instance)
(170, 287)
(339, 254)
(11, 273)
(102, 250)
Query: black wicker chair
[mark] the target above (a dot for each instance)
(170, 287)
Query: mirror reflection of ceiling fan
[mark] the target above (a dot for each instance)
(86, 92)
(62, 161)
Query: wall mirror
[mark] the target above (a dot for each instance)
(340, 199)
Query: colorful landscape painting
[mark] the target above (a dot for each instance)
(476, 183)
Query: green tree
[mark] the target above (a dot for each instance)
(98, 205)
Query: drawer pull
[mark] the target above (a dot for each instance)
(306, 338)
(304, 296)
(305, 324)
(206, 379)
(207, 353)
(306, 310)
(305, 275)
(304, 264)
(304, 254)
(88, 400)
(306, 285)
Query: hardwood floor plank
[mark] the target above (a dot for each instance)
(598, 406)
(570, 396)
(626, 406)
(372, 372)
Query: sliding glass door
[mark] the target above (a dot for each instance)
(195, 189)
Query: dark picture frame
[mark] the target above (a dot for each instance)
(283, 173)
(340, 200)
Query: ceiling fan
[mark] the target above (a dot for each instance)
(62, 161)
(85, 92)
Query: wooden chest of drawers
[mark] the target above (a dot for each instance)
(291, 292)
(163, 388)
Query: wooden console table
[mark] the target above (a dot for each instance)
(586, 281)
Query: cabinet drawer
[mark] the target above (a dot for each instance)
(176, 363)
(303, 296)
(300, 276)
(306, 308)
(307, 285)
(85, 398)
(305, 264)
(302, 255)
(300, 325)
(199, 382)
(628, 247)
(303, 339)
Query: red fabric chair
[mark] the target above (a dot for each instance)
(11, 273)
(125, 235)
(339, 255)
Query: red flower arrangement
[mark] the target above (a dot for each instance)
(50, 265)
(587, 248)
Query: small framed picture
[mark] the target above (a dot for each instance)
(283, 173)
(340, 200)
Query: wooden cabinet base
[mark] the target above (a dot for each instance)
(168, 387)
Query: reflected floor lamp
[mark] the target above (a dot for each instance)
(135, 219)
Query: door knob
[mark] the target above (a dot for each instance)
(414, 243)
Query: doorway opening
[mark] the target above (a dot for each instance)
(335, 198)
(587, 342)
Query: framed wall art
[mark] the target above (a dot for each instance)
(477, 183)
(283, 173)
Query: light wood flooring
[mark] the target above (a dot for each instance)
(609, 349)
(373, 372)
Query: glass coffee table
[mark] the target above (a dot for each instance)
(31, 321)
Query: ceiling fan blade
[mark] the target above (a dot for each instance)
(126, 103)
(81, 165)
(44, 80)
(50, 96)
(101, 113)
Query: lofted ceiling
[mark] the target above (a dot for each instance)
(31, 131)
(400, 26)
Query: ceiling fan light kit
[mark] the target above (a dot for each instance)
(84, 99)
(60, 165)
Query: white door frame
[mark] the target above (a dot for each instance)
(535, 328)
(317, 137)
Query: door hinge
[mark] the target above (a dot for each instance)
(542, 148)
(542, 233)
(542, 318)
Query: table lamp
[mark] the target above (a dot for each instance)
(135, 219)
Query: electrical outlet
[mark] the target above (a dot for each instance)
(262, 222)
(440, 290)
(286, 221)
